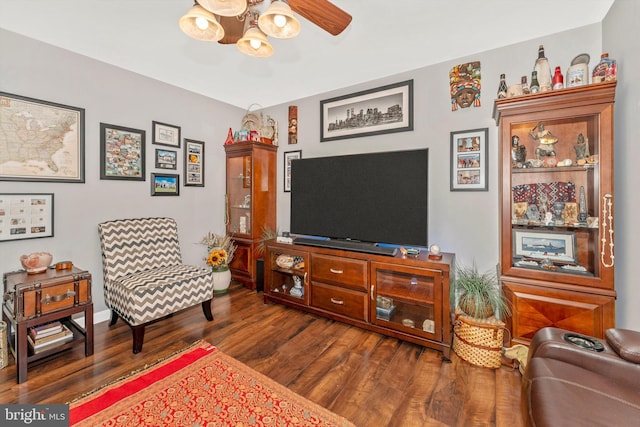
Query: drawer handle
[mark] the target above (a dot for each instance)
(334, 271)
(337, 301)
(49, 299)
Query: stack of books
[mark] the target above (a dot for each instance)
(47, 336)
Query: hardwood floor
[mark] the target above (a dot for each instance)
(370, 379)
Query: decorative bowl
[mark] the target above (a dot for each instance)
(36, 262)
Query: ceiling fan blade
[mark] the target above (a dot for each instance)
(323, 13)
(233, 29)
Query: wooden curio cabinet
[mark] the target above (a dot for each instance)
(556, 196)
(250, 203)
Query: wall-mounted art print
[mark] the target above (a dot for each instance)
(164, 134)
(293, 125)
(166, 159)
(469, 160)
(377, 111)
(122, 153)
(558, 246)
(165, 184)
(288, 157)
(26, 216)
(464, 84)
(193, 163)
(40, 140)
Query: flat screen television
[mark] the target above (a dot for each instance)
(373, 197)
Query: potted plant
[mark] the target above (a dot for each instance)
(220, 251)
(480, 295)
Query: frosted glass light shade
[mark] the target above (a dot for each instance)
(278, 21)
(201, 25)
(224, 7)
(255, 43)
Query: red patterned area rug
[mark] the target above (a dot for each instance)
(199, 386)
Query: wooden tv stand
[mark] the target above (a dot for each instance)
(406, 297)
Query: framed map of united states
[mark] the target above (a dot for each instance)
(40, 140)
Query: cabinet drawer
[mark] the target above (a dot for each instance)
(339, 300)
(349, 273)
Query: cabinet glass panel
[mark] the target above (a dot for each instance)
(289, 279)
(239, 194)
(406, 301)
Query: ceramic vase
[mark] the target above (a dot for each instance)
(221, 281)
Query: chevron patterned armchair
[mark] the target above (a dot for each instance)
(144, 278)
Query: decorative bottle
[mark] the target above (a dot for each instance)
(605, 70)
(544, 71)
(535, 86)
(525, 86)
(502, 87)
(558, 80)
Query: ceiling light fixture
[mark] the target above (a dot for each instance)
(278, 21)
(201, 25)
(254, 42)
(224, 7)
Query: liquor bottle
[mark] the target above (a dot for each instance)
(544, 71)
(558, 80)
(535, 86)
(525, 86)
(502, 87)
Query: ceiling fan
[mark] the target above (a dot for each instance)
(247, 23)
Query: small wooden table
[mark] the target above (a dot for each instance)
(34, 299)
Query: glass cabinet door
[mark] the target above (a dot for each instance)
(407, 299)
(238, 200)
(288, 274)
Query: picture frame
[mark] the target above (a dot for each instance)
(165, 134)
(166, 159)
(165, 184)
(122, 153)
(59, 147)
(193, 163)
(26, 216)
(558, 246)
(382, 110)
(288, 157)
(470, 160)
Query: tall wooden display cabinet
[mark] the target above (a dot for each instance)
(556, 196)
(250, 203)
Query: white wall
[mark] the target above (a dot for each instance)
(115, 96)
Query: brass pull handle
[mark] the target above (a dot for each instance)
(372, 292)
(334, 271)
(306, 282)
(48, 299)
(337, 301)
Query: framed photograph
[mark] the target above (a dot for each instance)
(558, 246)
(470, 160)
(40, 140)
(166, 159)
(288, 157)
(386, 109)
(25, 216)
(193, 163)
(121, 153)
(164, 134)
(165, 184)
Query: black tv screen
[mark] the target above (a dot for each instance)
(372, 197)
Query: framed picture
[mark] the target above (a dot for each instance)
(385, 109)
(40, 140)
(164, 134)
(193, 163)
(288, 157)
(26, 216)
(121, 153)
(165, 184)
(558, 246)
(469, 160)
(166, 159)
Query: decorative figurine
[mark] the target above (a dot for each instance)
(518, 152)
(546, 150)
(582, 210)
(582, 150)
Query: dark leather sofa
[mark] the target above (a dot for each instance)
(574, 380)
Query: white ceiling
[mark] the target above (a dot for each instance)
(384, 38)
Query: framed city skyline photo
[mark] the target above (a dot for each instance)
(469, 160)
(386, 109)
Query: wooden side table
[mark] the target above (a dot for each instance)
(34, 299)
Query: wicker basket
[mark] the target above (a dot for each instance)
(479, 341)
(4, 354)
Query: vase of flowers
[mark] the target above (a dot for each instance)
(220, 250)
